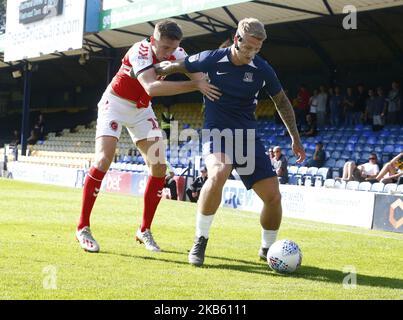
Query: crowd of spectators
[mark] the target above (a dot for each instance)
(349, 106)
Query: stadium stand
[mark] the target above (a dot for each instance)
(71, 144)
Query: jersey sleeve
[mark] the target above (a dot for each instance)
(272, 83)
(140, 57)
(200, 62)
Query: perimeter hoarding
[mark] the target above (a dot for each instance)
(39, 27)
(145, 10)
(388, 213)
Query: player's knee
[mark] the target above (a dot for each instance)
(103, 162)
(273, 198)
(158, 170)
(217, 178)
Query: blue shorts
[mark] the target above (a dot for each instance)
(246, 154)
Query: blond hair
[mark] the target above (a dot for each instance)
(252, 27)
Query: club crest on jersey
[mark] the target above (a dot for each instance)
(114, 125)
(194, 57)
(248, 77)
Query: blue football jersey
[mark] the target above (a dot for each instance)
(239, 85)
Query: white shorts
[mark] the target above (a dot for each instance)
(114, 113)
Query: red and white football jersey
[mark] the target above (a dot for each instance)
(139, 58)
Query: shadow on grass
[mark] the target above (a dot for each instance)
(304, 272)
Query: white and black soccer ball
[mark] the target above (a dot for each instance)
(284, 256)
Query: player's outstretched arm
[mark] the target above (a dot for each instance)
(286, 113)
(154, 87)
(165, 68)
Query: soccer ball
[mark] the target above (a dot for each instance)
(284, 256)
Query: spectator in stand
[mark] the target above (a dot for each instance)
(129, 158)
(359, 107)
(322, 103)
(193, 192)
(16, 138)
(270, 153)
(313, 104)
(311, 129)
(349, 103)
(39, 127)
(364, 172)
(380, 106)
(394, 104)
(33, 138)
(279, 163)
(392, 170)
(370, 107)
(170, 183)
(336, 107)
(319, 156)
(302, 107)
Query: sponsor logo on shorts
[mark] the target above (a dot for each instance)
(114, 125)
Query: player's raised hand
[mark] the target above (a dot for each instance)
(299, 151)
(209, 90)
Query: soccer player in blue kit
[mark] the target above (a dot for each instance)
(240, 74)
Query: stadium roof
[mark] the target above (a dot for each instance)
(225, 18)
(220, 19)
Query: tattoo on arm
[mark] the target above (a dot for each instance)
(286, 113)
(168, 67)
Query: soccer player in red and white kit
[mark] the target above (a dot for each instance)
(127, 102)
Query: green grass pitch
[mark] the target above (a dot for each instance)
(40, 258)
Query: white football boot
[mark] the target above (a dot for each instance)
(86, 240)
(147, 238)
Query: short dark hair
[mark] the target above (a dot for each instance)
(168, 29)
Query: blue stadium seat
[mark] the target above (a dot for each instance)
(355, 156)
(353, 139)
(340, 147)
(390, 140)
(292, 160)
(378, 148)
(350, 147)
(335, 155)
(398, 149)
(359, 147)
(340, 163)
(362, 139)
(330, 163)
(331, 146)
(388, 148)
(346, 155)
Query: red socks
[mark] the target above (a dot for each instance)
(152, 197)
(92, 185)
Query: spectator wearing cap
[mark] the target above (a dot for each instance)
(170, 183)
(319, 156)
(279, 163)
(193, 192)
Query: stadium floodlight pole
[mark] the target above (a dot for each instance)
(27, 73)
